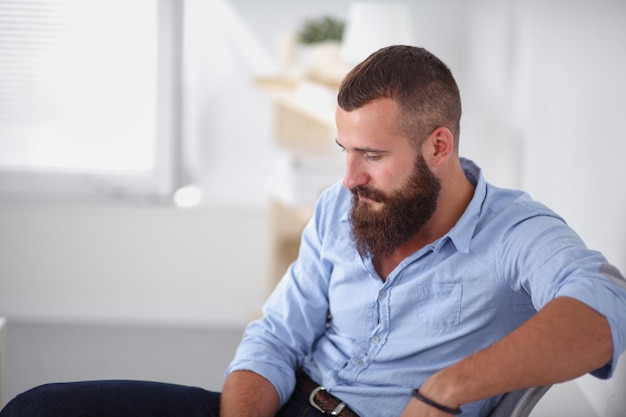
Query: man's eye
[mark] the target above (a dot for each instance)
(372, 157)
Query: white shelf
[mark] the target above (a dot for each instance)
(306, 161)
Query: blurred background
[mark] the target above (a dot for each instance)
(159, 158)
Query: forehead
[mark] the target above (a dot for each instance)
(378, 123)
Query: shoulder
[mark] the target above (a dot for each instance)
(526, 228)
(516, 206)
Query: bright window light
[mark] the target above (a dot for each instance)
(79, 87)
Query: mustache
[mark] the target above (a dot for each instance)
(369, 193)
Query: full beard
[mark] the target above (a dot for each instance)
(403, 213)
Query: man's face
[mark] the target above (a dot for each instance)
(398, 215)
(394, 191)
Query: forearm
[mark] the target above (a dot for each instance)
(248, 394)
(564, 340)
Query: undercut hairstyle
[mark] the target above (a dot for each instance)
(419, 82)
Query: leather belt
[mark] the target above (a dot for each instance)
(322, 400)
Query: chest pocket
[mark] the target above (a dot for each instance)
(439, 304)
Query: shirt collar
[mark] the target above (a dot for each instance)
(462, 232)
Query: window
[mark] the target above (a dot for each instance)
(89, 97)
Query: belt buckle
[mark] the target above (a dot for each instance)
(335, 411)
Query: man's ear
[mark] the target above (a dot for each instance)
(438, 147)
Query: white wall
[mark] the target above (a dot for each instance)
(131, 264)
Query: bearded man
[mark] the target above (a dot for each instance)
(420, 289)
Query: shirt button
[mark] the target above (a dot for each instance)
(375, 339)
(359, 362)
(381, 295)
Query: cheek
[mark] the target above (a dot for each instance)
(382, 178)
(393, 177)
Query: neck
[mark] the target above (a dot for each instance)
(456, 194)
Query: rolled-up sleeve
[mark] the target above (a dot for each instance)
(552, 261)
(605, 292)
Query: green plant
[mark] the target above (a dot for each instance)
(321, 29)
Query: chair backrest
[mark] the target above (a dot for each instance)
(2, 352)
(519, 403)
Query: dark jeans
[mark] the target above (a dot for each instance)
(130, 398)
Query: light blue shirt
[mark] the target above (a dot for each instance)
(370, 342)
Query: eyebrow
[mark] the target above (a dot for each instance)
(373, 150)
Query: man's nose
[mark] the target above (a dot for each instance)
(354, 175)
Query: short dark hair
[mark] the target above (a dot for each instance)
(420, 83)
